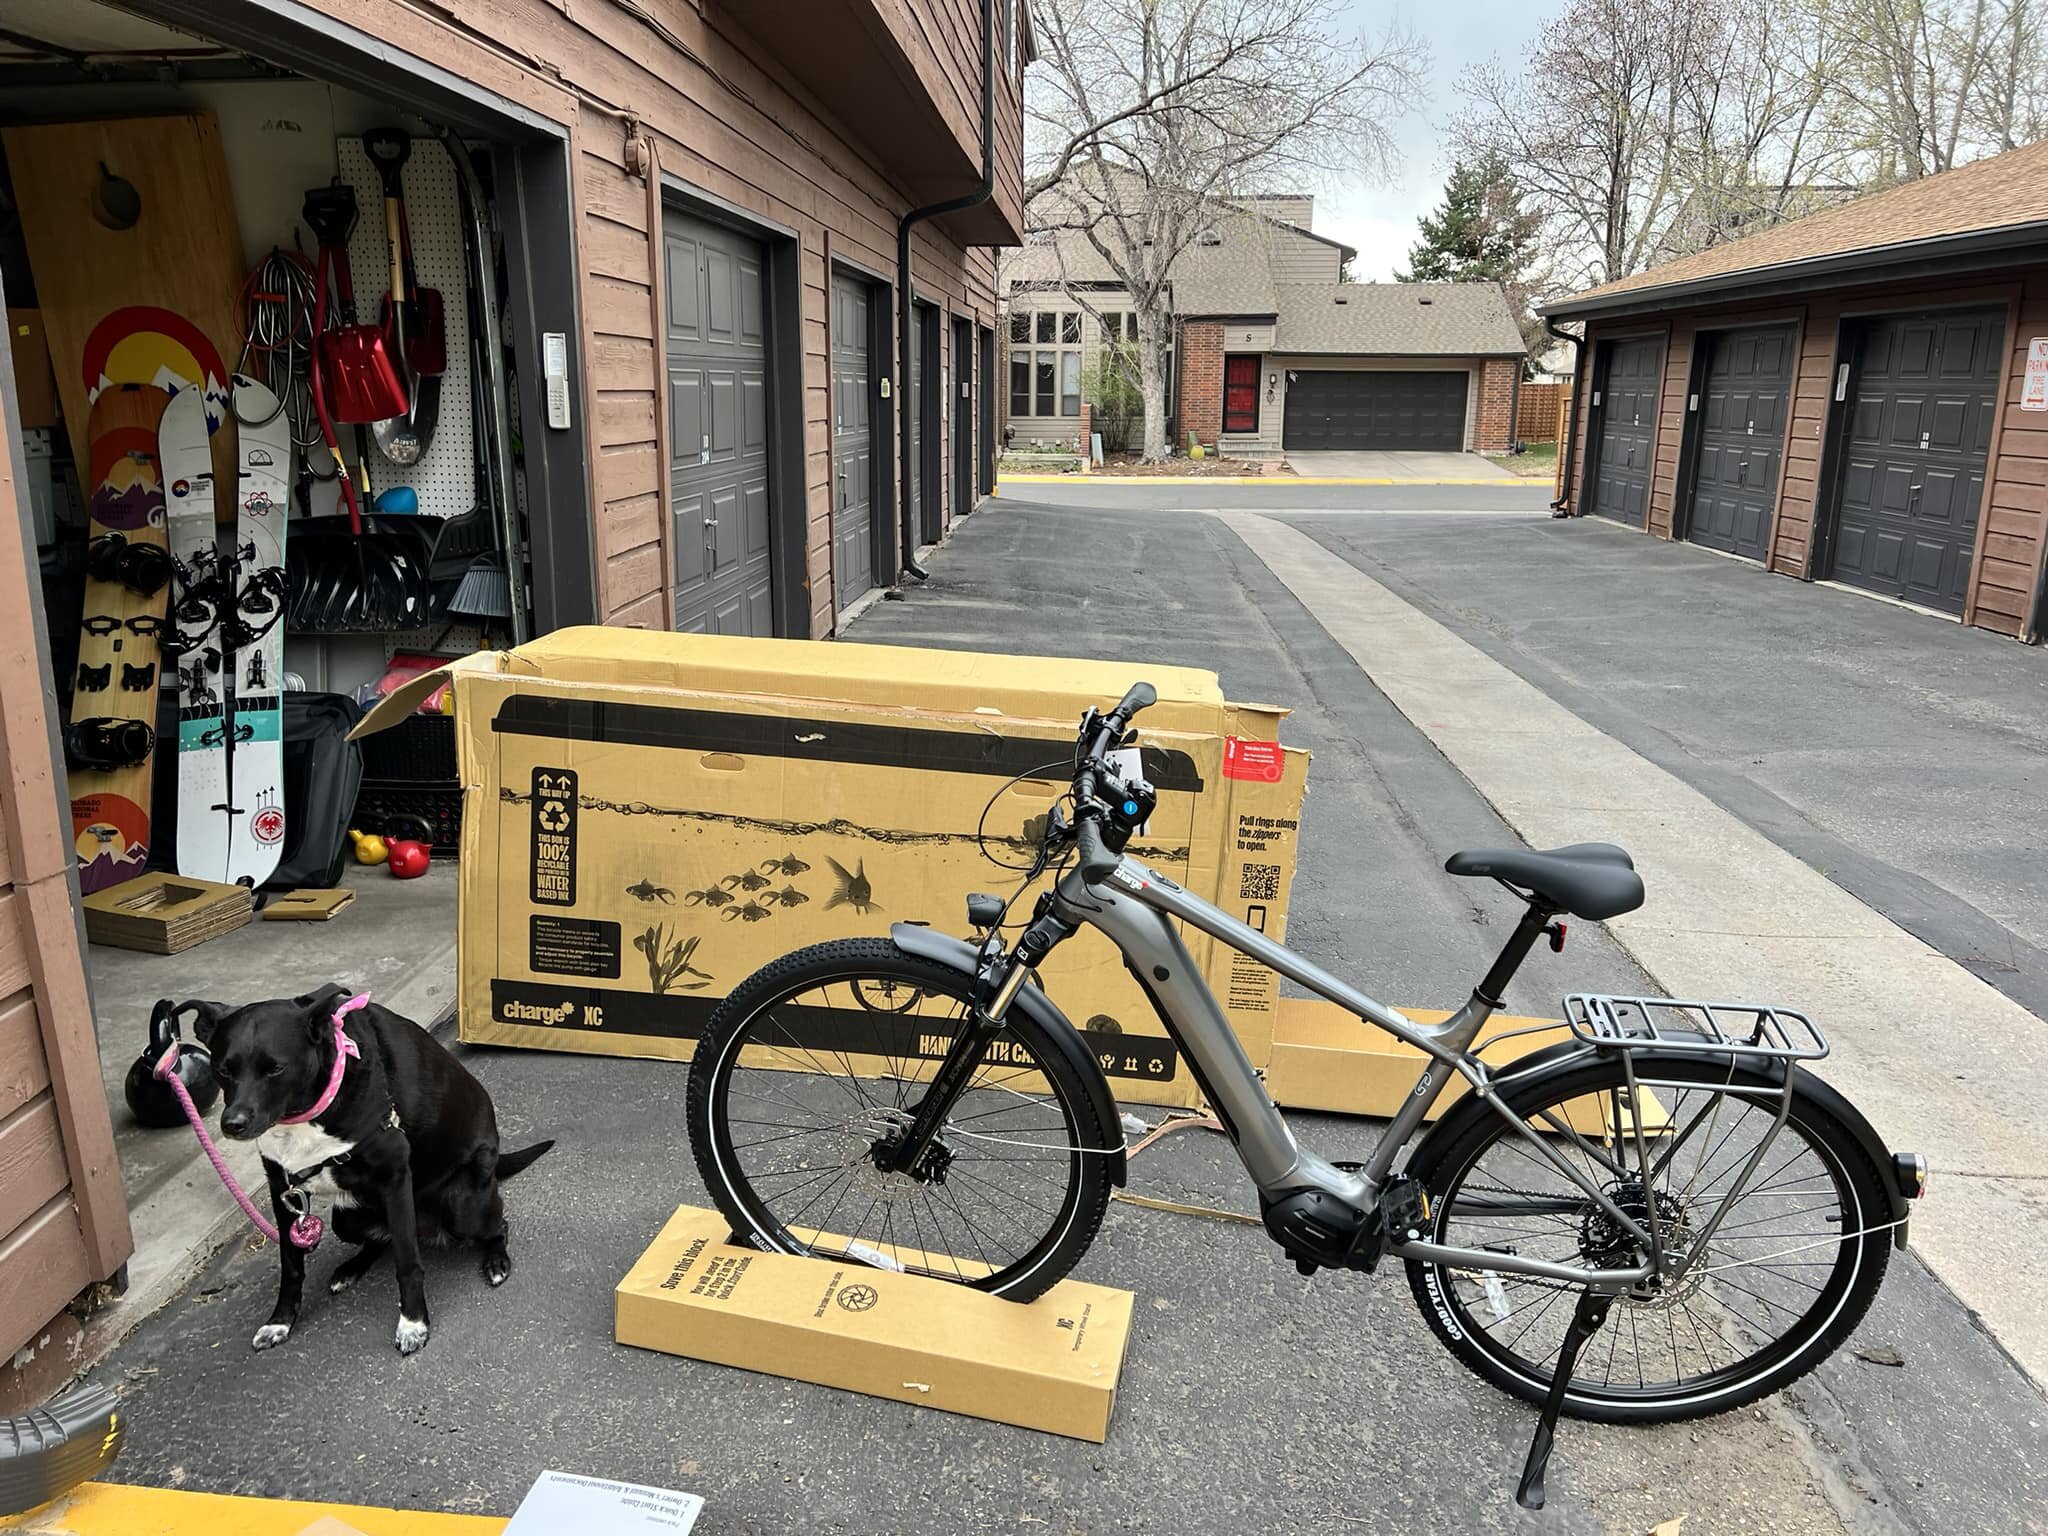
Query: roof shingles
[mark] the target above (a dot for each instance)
(2005, 190)
(1396, 319)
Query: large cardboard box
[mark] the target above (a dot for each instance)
(1051, 1364)
(649, 818)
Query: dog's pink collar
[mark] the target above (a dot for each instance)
(344, 1048)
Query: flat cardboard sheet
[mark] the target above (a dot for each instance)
(1052, 1364)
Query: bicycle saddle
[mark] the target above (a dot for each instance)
(1590, 880)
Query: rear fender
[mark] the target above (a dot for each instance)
(961, 956)
(1529, 1072)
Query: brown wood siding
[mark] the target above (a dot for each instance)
(2013, 523)
(731, 125)
(1671, 398)
(63, 1219)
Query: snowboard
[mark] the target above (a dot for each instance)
(192, 641)
(120, 625)
(256, 633)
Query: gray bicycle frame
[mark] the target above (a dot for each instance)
(1132, 905)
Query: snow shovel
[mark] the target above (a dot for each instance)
(413, 317)
(355, 367)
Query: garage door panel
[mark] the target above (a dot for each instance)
(718, 471)
(1630, 374)
(1739, 431)
(853, 461)
(1905, 518)
(1374, 410)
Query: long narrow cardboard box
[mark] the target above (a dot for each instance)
(1050, 1364)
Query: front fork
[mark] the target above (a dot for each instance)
(998, 979)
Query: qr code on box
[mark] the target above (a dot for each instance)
(1261, 883)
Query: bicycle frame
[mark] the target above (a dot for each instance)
(1132, 905)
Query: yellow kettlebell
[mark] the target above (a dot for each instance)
(370, 848)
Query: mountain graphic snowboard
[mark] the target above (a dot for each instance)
(116, 684)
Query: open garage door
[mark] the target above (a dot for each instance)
(1922, 403)
(1623, 430)
(1367, 410)
(1741, 439)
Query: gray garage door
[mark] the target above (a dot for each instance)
(1361, 410)
(853, 441)
(1624, 428)
(1922, 406)
(718, 428)
(1741, 425)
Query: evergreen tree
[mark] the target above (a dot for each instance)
(1480, 233)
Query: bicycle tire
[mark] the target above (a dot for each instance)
(1854, 1274)
(861, 1027)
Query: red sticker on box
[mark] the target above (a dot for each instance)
(1260, 761)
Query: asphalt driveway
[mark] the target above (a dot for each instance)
(1397, 466)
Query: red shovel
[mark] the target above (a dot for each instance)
(357, 374)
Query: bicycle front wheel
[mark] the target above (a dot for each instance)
(816, 1065)
(1782, 1278)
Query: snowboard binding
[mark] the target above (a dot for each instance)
(258, 607)
(95, 679)
(106, 744)
(142, 568)
(137, 679)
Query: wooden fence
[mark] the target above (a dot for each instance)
(1536, 416)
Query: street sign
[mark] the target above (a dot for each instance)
(2034, 393)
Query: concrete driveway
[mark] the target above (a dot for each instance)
(1397, 466)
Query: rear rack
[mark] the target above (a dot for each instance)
(1638, 1023)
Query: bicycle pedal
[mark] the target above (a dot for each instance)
(1405, 1210)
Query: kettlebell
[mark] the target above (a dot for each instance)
(150, 1099)
(370, 848)
(408, 857)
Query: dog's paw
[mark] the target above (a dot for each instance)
(270, 1335)
(497, 1269)
(412, 1334)
(340, 1283)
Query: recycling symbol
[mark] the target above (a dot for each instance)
(554, 816)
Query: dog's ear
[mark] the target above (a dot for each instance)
(204, 1017)
(318, 1007)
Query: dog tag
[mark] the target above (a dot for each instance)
(307, 1231)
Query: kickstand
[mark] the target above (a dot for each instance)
(1590, 1313)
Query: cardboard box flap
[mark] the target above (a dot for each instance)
(406, 699)
(894, 676)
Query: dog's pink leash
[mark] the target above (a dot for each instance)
(308, 1229)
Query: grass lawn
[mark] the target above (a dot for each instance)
(1538, 463)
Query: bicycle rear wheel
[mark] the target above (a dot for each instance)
(816, 1063)
(1783, 1278)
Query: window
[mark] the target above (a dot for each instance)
(1047, 319)
(1020, 325)
(1070, 383)
(1241, 393)
(1070, 328)
(1020, 383)
(1047, 364)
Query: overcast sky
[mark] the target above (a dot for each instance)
(1380, 219)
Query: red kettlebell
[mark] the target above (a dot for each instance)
(408, 857)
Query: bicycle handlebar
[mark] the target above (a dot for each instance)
(1097, 858)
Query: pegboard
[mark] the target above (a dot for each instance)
(445, 476)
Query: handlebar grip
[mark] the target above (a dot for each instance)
(1096, 860)
(1141, 696)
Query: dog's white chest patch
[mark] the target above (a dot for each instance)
(293, 1147)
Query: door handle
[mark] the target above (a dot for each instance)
(710, 522)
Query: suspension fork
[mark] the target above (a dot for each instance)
(996, 987)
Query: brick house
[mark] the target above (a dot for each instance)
(1858, 397)
(1272, 351)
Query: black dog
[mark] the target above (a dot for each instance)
(409, 1143)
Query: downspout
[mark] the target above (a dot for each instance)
(1561, 506)
(906, 294)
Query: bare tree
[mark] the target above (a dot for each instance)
(1147, 117)
(1645, 131)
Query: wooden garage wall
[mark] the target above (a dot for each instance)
(63, 1219)
(727, 125)
(2013, 527)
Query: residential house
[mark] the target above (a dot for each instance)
(1273, 352)
(1858, 397)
